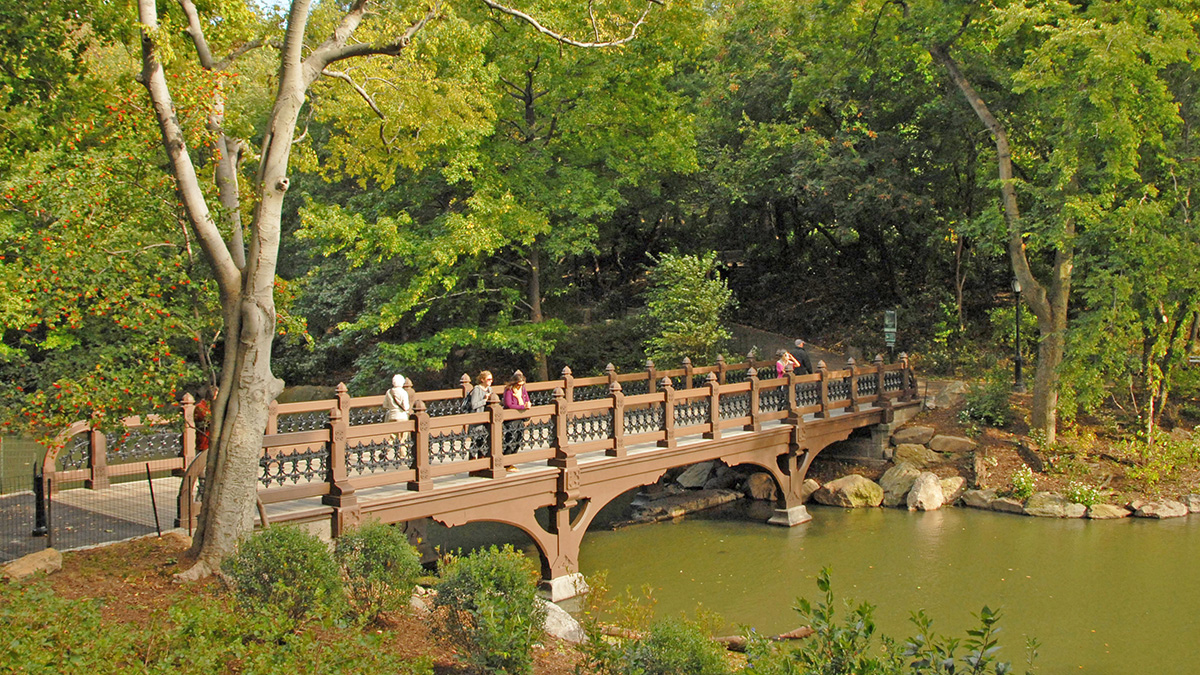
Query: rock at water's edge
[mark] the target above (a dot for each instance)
(979, 499)
(1164, 509)
(1107, 512)
(896, 482)
(953, 488)
(850, 491)
(1008, 505)
(926, 493)
(1051, 505)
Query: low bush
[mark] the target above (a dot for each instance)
(674, 647)
(487, 600)
(987, 402)
(287, 571)
(1022, 483)
(1082, 493)
(381, 568)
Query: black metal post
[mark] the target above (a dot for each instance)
(153, 504)
(39, 503)
(1018, 378)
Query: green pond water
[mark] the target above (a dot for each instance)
(1114, 597)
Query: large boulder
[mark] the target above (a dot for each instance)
(1165, 509)
(562, 625)
(950, 395)
(1107, 512)
(916, 434)
(951, 444)
(850, 491)
(953, 488)
(695, 476)
(979, 499)
(723, 478)
(1192, 502)
(896, 483)
(1008, 505)
(1051, 505)
(46, 560)
(926, 493)
(915, 455)
(761, 486)
(807, 488)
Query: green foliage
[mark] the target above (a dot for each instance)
(988, 402)
(202, 636)
(687, 302)
(1083, 493)
(381, 568)
(1022, 483)
(488, 601)
(1161, 456)
(674, 647)
(285, 571)
(850, 647)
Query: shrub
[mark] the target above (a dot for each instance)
(285, 570)
(381, 568)
(1022, 483)
(987, 403)
(1082, 493)
(674, 647)
(488, 602)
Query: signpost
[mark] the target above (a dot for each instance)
(889, 329)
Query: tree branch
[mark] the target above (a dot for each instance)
(516, 13)
(361, 92)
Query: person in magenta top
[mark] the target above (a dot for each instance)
(515, 396)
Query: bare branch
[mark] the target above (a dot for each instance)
(361, 92)
(241, 50)
(566, 40)
(592, 18)
(335, 48)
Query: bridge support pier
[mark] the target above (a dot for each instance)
(790, 517)
(563, 587)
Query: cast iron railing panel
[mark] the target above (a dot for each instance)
(367, 415)
(644, 420)
(77, 453)
(302, 421)
(736, 376)
(447, 406)
(391, 455)
(734, 405)
(590, 392)
(596, 426)
(893, 380)
(302, 465)
(839, 390)
(143, 445)
(635, 388)
(692, 412)
(449, 446)
(808, 393)
(772, 400)
(868, 385)
(544, 397)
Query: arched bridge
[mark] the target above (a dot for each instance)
(584, 442)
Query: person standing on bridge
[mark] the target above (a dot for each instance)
(477, 402)
(800, 354)
(515, 398)
(785, 360)
(395, 401)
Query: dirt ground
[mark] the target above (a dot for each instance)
(134, 579)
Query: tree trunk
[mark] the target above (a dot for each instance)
(1049, 305)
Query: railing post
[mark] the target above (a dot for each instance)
(618, 420)
(568, 383)
(610, 371)
(721, 369)
(879, 381)
(688, 371)
(188, 453)
(714, 407)
(909, 389)
(564, 458)
(424, 480)
(412, 393)
(97, 456)
(755, 423)
(668, 414)
(272, 418)
(341, 493)
(496, 439)
(651, 379)
(750, 359)
(824, 371)
(853, 406)
(789, 371)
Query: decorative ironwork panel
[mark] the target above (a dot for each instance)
(734, 405)
(839, 390)
(449, 446)
(868, 385)
(636, 387)
(594, 427)
(893, 380)
(545, 397)
(447, 406)
(305, 421)
(373, 415)
(735, 376)
(693, 412)
(143, 445)
(808, 393)
(391, 455)
(643, 420)
(538, 435)
(303, 465)
(591, 392)
(77, 452)
(680, 382)
(772, 400)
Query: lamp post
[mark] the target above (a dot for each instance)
(1018, 379)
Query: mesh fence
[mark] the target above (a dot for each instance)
(74, 515)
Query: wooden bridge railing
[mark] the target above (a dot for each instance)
(353, 449)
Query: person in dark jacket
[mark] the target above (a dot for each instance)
(801, 356)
